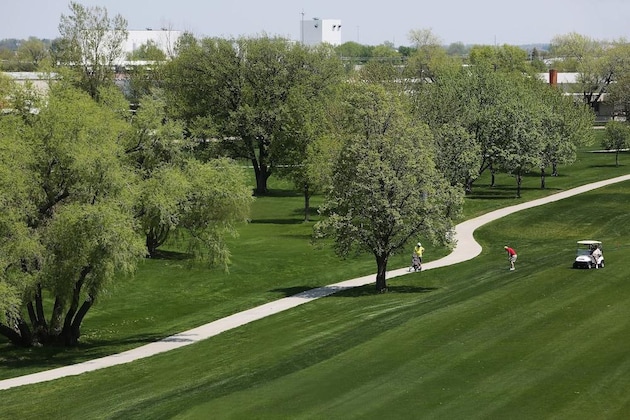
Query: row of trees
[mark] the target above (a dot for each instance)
(295, 111)
(90, 186)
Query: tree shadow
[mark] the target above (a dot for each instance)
(277, 221)
(52, 356)
(279, 193)
(348, 292)
(171, 255)
(611, 165)
(292, 291)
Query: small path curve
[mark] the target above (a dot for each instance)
(466, 248)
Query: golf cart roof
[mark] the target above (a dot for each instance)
(589, 242)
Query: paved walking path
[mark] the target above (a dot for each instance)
(466, 248)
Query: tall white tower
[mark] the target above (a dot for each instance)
(317, 31)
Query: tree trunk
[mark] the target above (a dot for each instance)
(15, 337)
(71, 337)
(39, 306)
(617, 158)
(468, 187)
(307, 203)
(261, 168)
(55, 318)
(519, 181)
(156, 236)
(381, 280)
(542, 178)
(68, 333)
(151, 244)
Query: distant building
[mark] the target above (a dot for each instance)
(164, 39)
(38, 80)
(569, 83)
(317, 31)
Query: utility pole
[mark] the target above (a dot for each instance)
(302, 28)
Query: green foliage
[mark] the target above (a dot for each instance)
(506, 58)
(90, 44)
(147, 52)
(352, 53)
(218, 199)
(32, 53)
(515, 123)
(100, 237)
(459, 154)
(237, 91)
(67, 225)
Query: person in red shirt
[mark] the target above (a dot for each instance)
(511, 256)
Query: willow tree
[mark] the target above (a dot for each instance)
(386, 191)
(67, 226)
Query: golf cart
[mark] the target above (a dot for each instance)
(589, 254)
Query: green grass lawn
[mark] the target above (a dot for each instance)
(473, 340)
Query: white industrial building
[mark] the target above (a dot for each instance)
(164, 39)
(317, 31)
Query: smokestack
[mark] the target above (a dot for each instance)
(553, 77)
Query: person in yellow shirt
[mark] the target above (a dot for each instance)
(416, 257)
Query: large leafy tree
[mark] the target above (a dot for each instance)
(68, 221)
(235, 92)
(385, 188)
(32, 53)
(516, 132)
(507, 58)
(308, 123)
(619, 91)
(428, 57)
(617, 138)
(458, 106)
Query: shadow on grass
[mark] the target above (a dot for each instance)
(48, 357)
(345, 292)
(292, 291)
(279, 193)
(370, 290)
(171, 255)
(503, 192)
(278, 221)
(611, 165)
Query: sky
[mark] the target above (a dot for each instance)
(487, 22)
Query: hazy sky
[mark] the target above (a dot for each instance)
(467, 21)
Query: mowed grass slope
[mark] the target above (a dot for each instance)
(469, 341)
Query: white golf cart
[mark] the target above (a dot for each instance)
(589, 254)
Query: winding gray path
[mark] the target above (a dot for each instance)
(466, 248)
